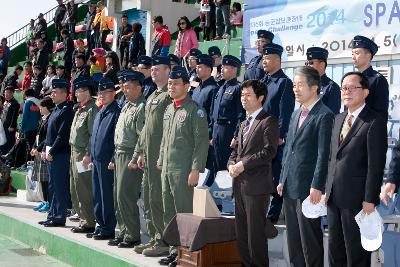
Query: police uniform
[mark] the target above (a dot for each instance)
(193, 79)
(175, 59)
(330, 90)
(148, 85)
(127, 183)
(280, 102)
(255, 70)
(378, 97)
(203, 96)
(102, 150)
(149, 145)
(226, 114)
(81, 183)
(183, 149)
(57, 135)
(121, 99)
(212, 51)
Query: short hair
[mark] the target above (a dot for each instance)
(187, 21)
(311, 76)
(124, 16)
(158, 19)
(40, 40)
(80, 40)
(9, 88)
(29, 92)
(65, 32)
(37, 66)
(18, 67)
(136, 27)
(259, 88)
(52, 68)
(29, 63)
(48, 103)
(363, 80)
(3, 39)
(93, 59)
(80, 56)
(60, 67)
(237, 5)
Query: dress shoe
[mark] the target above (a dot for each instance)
(166, 261)
(174, 263)
(115, 241)
(156, 251)
(128, 244)
(43, 222)
(103, 237)
(53, 224)
(82, 230)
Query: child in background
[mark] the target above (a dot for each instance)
(100, 54)
(94, 67)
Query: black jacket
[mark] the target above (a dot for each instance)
(9, 115)
(37, 84)
(59, 15)
(42, 134)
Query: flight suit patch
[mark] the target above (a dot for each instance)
(182, 116)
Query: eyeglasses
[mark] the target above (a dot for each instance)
(350, 88)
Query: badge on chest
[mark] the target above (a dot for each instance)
(83, 115)
(182, 116)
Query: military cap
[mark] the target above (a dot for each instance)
(317, 53)
(82, 82)
(231, 61)
(120, 75)
(214, 50)
(360, 41)
(179, 72)
(59, 83)
(160, 60)
(175, 59)
(106, 83)
(145, 60)
(273, 49)
(194, 52)
(135, 62)
(265, 34)
(133, 76)
(206, 60)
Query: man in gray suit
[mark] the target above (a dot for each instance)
(305, 167)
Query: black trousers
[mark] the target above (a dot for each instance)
(250, 220)
(344, 246)
(305, 237)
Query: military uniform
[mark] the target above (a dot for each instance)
(81, 183)
(280, 103)
(57, 135)
(102, 150)
(193, 79)
(215, 51)
(148, 87)
(127, 183)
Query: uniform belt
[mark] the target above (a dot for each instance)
(224, 122)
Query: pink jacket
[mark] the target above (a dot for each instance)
(185, 41)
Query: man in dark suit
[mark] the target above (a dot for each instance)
(393, 179)
(250, 165)
(355, 171)
(305, 168)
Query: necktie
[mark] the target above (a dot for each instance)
(246, 128)
(303, 115)
(346, 128)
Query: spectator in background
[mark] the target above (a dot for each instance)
(112, 67)
(48, 44)
(161, 38)
(236, 17)
(222, 19)
(37, 80)
(72, 11)
(88, 21)
(100, 24)
(9, 117)
(58, 17)
(207, 19)
(68, 44)
(124, 35)
(100, 54)
(30, 117)
(80, 50)
(94, 67)
(60, 73)
(2, 65)
(6, 55)
(137, 44)
(187, 38)
(42, 55)
(29, 35)
(12, 79)
(81, 70)
(26, 81)
(46, 84)
(41, 26)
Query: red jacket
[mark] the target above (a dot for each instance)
(26, 81)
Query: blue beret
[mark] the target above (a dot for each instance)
(159, 60)
(214, 50)
(133, 76)
(206, 60)
(360, 41)
(105, 84)
(145, 60)
(179, 72)
(231, 61)
(194, 52)
(265, 34)
(81, 82)
(317, 53)
(174, 58)
(59, 83)
(273, 49)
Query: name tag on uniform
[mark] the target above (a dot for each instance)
(155, 101)
(167, 116)
(83, 115)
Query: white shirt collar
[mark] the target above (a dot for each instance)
(254, 114)
(356, 113)
(312, 105)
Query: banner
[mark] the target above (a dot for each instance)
(299, 24)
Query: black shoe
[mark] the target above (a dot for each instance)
(53, 224)
(82, 230)
(166, 261)
(90, 235)
(43, 222)
(103, 237)
(114, 242)
(128, 244)
(174, 263)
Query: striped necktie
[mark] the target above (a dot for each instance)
(246, 128)
(346, 128)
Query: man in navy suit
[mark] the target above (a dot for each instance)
(280, 103)
(355, 171)
(305, 168)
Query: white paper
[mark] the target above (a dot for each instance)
(223, 180)
(47, 150)
(313, 210)
(203, 178)
(81, 168)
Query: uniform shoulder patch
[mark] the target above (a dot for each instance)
(200, 113)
